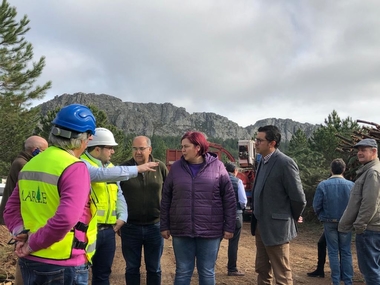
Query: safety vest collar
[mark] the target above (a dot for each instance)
(94, 160)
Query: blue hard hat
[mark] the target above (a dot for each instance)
(76, 117)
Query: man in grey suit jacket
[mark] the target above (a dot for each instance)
(278, 201)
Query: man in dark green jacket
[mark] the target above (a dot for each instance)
(143, 196)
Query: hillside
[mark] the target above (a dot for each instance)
(168, 120)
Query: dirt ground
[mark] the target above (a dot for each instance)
(303, 259)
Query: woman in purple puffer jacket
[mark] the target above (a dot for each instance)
(198, 209)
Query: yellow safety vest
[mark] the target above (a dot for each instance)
(104, 194)
(39, 197)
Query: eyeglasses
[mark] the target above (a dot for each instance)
(107, 147)
(140, 148)
(259, 141)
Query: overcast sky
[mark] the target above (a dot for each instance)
(245, 60)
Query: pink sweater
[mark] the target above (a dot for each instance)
(74, 186)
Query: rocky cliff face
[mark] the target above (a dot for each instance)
(168, 120)
(288, 127)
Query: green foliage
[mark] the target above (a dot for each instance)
(160, 144)
(123, 149)
(284, 146)
(313, 156)
(17, 85)
(325, 141)
(100, 116)
(159, 147)
(44, 124)
(299, 140)
(310, 164)
(352, 165)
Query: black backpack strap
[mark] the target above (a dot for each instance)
(81, 227)
(79, 244)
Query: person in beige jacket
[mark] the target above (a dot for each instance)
(363, 211)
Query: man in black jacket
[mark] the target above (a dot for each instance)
(241, 202)
(143, 196)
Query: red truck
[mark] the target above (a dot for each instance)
(246, 163)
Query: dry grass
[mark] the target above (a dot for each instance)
(7, 258)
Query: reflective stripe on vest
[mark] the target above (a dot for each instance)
(39, 197)
(91, 233)
(105, 196)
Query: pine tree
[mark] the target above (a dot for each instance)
(18, 75)
(325, 141)
(310, 164)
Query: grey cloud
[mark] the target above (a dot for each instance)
(245, 59)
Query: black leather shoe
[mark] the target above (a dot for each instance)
(235, 273)
(316, 273)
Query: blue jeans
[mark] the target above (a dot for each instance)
(339, 252)
(187, 250)
(368, 251)
(34, 272)
(103, 257)
(133, 238)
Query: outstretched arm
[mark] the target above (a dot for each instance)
(117, 173)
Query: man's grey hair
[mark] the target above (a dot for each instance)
(67, 144)
(148, 142)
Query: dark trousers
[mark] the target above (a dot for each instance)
(233, 244)
(133, 239)
(103, 257)
(321, 252)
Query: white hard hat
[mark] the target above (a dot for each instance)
(102, 136)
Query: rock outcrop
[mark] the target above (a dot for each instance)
(168, 120)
